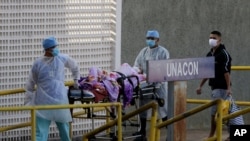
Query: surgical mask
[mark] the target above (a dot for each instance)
(212, 42)
(150, 43)
(55, 51)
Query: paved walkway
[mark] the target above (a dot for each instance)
(192, 135)
(195, 135)
(200, 135)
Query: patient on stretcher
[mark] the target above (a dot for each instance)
(105, 85)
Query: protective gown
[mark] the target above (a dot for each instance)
(48, 75)
(158, 53)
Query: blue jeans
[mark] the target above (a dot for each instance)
(217, 94)
(42, 129)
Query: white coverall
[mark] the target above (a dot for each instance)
(157, 53)
(48, 75)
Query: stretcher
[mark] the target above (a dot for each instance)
(130, 91)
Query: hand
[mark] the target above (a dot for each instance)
(76, 84)
(29, 98)
(229, 92)
(198, 91)
(27, 101)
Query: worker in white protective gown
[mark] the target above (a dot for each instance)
(153, 51)
(47, 75)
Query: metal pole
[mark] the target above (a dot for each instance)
(33, 125)
(153, 123)
(219, 121)
(119, 122)
(170, 131)
(157, 131)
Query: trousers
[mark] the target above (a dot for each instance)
(42, 129)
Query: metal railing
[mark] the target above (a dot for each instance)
(206, 104)
(154, 128)
(151, 105)
(226, 117)
(22, 90)
(192, 112)
(46, 107)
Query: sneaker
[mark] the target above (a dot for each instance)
(139, 138)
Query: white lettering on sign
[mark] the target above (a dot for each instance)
(240, 132)
(182, 69)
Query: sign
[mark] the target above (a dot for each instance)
(239, 132)
(180, 69)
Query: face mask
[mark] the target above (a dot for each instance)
(55, 51)
(212, 42)
(150, 43)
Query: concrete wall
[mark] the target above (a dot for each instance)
(184, 27)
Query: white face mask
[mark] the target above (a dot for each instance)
(212, 42)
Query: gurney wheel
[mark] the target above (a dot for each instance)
(161, 102)
(132, 102)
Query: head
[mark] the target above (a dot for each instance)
(215, 39)
(152, 38)
(50, 46)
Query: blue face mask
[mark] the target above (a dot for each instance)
(55, 51)
(150, 43)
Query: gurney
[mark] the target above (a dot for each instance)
(131, 89)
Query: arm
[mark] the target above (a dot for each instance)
(74, 68)
(227, 65)
(139, 61)
(198, 90)
(30, 87)
(228, 81)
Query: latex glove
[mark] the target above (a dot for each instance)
(76, 84)
(29, 98)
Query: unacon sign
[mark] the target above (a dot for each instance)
(180, 69)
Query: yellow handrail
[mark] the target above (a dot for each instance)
(240, 112)
(194, 111)
(22, 90)
(152, 105)
(46, 107)
(240, 67)
(11, 127)
(203, 101)
(154, 130)
(226, 117)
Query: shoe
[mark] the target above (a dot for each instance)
(136, 133)
(139, 138)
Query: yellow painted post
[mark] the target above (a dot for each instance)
(153, 123)
(157, 131)
(157, 134)
(119, 121)
(107, 120)
(33, 124)
(219, 121)
(84, 138)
